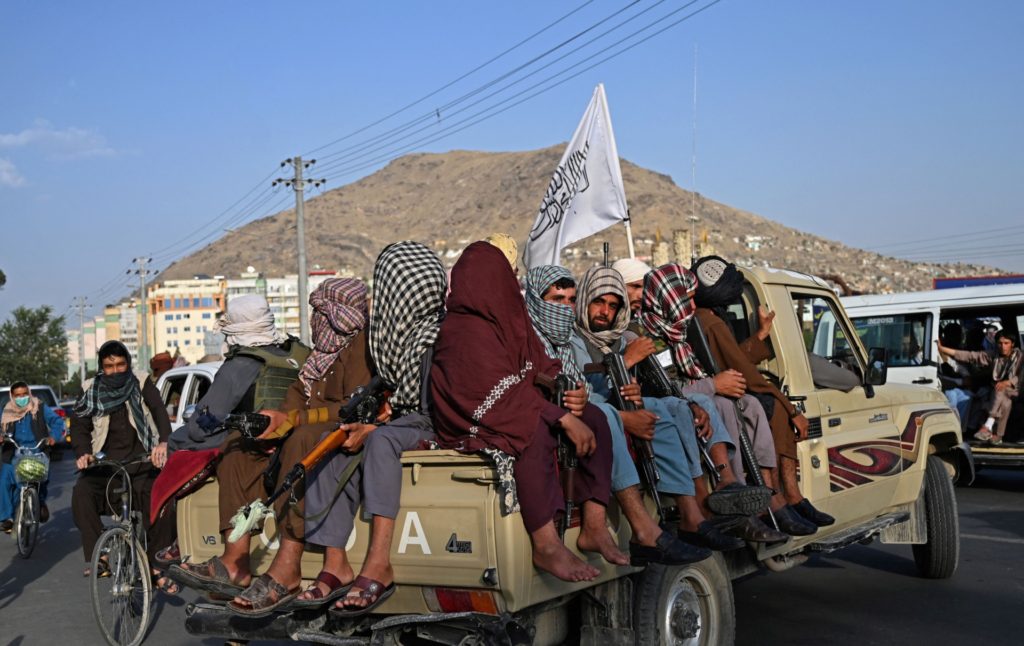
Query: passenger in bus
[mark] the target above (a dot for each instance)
(719, 284)
(1006, 372)
(486, 399)
(670, 423)
(408, 305)
(955, 376)
(550, 302)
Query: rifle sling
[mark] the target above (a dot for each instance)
(346, 475)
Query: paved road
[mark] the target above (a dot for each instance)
(859, 596)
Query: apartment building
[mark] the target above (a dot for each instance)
(181, 312)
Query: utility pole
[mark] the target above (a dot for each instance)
(81, 305)
(298, 184)
(143, 333)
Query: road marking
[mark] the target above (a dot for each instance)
(998, 539)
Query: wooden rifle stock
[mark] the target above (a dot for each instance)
(616, 367)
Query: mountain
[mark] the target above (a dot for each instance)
(448, 200)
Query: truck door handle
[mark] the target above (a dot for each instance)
(923, 380)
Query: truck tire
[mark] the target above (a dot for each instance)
(691, 604)
(938, 558)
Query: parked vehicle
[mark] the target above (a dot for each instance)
(907, 325)
(181, 388)
(880, 458)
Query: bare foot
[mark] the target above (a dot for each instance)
(355, 599)
(599, 540)
(559, 561)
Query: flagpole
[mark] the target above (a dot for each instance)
(629, 236)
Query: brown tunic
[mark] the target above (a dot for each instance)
(744, 357)
(241, 468)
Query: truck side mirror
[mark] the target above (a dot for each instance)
(878, 367)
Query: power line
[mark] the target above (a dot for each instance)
(362, 147)
(450, 83)
(968, 234)
(450, 130)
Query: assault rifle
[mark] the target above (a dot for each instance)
(363, 407)
(616, 369)
(567, 458)
(654, 382)
(250, 425)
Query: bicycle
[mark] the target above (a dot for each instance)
(121, 580)
(29, 475)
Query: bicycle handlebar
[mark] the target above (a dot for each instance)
(7, 439)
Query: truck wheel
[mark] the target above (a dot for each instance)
(690, 604)
(937, 559)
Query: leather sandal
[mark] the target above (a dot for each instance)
(264, 596)
(335, 590)
(209, 576)
(667, 550)
(371, 591)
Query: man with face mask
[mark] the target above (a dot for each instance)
(26, 420)
(122, 416)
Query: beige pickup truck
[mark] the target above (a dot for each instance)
(880, 458)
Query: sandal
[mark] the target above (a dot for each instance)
(373, 592)
(165, 584)
(983, 435)
(168, 556)
(995, 440)
(103, 573)
(209, 576)
(317, 597)
(264, 596)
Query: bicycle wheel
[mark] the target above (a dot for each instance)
(27, 525)
(121, 602)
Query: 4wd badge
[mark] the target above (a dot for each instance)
(458, 547)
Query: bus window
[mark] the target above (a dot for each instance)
(906, 337)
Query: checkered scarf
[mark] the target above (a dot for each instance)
(552, 321)
(339, 313)
(667, 306)
(409, 285)
(109, 392)
(598, 281)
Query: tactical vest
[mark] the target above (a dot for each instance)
(277, 373)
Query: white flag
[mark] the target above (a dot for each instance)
(585, 194)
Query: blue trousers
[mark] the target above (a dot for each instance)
(10, 490)
(675, 445)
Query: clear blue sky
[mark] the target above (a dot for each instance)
(126, 126)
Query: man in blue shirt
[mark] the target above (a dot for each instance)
(26, 420)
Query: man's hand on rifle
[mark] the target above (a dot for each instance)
(801, 425)
(639, 423)
(638, 350)
(384, 416)
(356, 435)
(579, 434)
(277, 418)
(730, 383)
(1002, 385)
(701, 422)
(575, 400)
(631, 392)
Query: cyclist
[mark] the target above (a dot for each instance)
(121, 415)
(26, 420)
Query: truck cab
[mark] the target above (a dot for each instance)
(880, 458)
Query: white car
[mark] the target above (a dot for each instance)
(181, 388)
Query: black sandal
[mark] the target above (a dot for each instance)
(264, 596)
